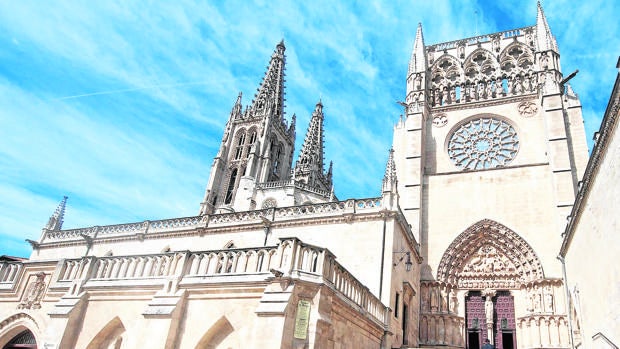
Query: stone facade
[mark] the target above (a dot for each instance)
(488, 159)
(591, 235)
(461, 245)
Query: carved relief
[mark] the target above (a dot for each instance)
(31, 299)
(527, 109)
(488, 261)
(489, 255)
(440, 120)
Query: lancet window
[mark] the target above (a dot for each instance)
(239, 145)
(231, 186)
(250, 143)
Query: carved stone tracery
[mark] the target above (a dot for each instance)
(482, 75)
(483, 143)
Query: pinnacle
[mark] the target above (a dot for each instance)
(56, 220)
(417, 62)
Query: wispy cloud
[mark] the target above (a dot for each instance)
(121, 106)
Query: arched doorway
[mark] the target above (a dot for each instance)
(487, 263)
(23, 340)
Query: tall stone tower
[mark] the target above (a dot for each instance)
(489, 158)
(254, 164)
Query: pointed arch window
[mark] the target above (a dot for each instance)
(251, 142)
(231, 187)
(277, 155)
(239, 148)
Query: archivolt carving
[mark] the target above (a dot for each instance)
(16, 318)
(489, 255)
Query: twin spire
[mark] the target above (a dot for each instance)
(270, 95)
(310, 163)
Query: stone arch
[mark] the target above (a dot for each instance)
(489, 255)
(446, 71)
(481, 65)
(110, 336)
(15, 326)
(518, 57)
(216, 334)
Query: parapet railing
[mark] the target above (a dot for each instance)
(197, 222)
(480, 38)
(291, 258)
(293, 183)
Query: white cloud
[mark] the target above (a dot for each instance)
(144, 151)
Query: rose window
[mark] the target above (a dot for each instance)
(482, 144)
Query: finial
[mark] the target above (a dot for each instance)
(280, 48)
(56, 220)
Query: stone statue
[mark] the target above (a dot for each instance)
(548, 299)
(434, 300)
(488, 309)
(418, 81)
(444, 301)
(453, 302)
(518, 88)
(544, 61)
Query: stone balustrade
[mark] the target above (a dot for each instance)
(480, 38)
(291, 258)
(293, 183)
(215, 220)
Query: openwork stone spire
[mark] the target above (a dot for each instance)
(544, 38)
(56, 220)
(270, 96)
(309, 165)
(417, 62)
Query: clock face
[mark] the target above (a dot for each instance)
(483, 143)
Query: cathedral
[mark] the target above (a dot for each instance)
(469, 240)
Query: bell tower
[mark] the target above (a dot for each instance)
(488, 157)
(257, 145)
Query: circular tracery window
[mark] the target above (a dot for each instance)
(482, 144)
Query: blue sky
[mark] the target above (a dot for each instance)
(120, 105)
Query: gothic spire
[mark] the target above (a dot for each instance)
(311, 153)
(270, 94)
(55, 221)
(417, 62)
(309, 165)
(544, 38)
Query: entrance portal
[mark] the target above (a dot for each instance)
(503, 321)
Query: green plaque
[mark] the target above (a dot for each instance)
(302, 319)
